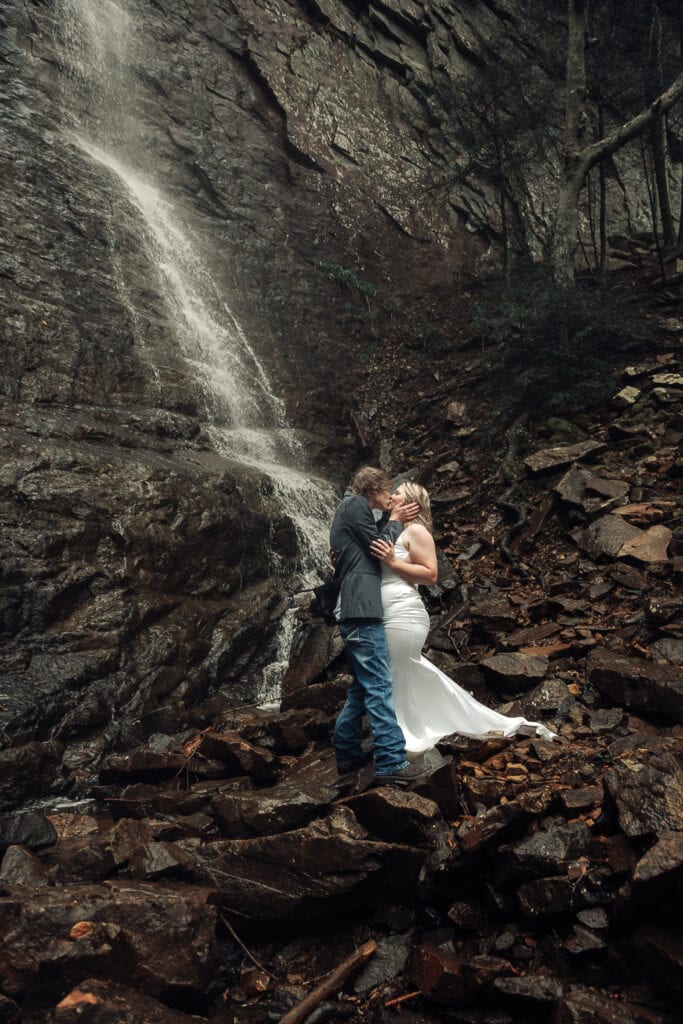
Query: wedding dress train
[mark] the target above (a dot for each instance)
(428, 704)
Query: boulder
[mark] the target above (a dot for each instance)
(20, 867)
(662, 861)
(315, 647)
(26, 828)
(648, 795)
(551, 851)
(292, 876)
(515, 671)
(96, 1001)
(606, 536)
(658, 951)
(588, 1006)
(635, 683)
(395, 815)
(134, 932)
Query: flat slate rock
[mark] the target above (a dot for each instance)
(636, 683)
(606, 536)
(651, 546)
(551, 458)
(577, 482)
(521, 670)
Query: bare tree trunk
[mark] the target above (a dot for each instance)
(654, 82)
(578, 161)
(573, 173)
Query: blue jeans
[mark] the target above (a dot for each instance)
(369, 693)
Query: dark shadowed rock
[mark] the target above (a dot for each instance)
(20, 867)
(545, 897)
(475, 836)
(549, 852)
(395, 816)
(635, 683)
(315, 648)
(27, 828)
(130, 931)
(327, 697)
(452, 980)
(587, 1006)
(9, 1011)
(238, 756)
(27, 770)
(293, 875)
(648, 796)
(659, 950)
(103, 1002)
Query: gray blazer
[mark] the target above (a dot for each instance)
(351, 534)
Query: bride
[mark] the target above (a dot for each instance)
(428, 704)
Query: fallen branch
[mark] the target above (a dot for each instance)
(331, 984)
(402, 999)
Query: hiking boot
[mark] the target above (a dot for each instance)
(412, 772)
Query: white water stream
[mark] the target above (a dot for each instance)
(246, 420)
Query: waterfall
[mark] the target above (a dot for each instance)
(246, 420)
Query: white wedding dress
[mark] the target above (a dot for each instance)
(428, 704)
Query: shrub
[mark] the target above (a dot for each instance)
(559, 348)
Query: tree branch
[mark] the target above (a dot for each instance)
(633, 128)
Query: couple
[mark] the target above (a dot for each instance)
(410, 703)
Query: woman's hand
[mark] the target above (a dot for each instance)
(384, 551)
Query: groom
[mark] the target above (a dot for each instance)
(359, 613)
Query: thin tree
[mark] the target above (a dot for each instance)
(580, 155)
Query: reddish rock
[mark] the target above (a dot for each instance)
(452, 980)
(606, 536)
(651, 546)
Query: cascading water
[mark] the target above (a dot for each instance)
(246, 420)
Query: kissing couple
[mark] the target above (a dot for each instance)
(410, 704)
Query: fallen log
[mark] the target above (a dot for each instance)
(331, 984)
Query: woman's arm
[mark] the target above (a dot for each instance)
(421, 567)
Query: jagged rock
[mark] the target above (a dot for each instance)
(648, 796)
(130, 931)
(551, 458)
(469, 917)
(153, 765)
(327, 697)
(635, 683)
(27, 769)
(292, 876)
(492, 610)
(662, 860)
(26, 828)
(595, 917)
(651, 546)
(102, 1002)
(546, 897)
(19, 867)
(583, 940)
(664, 609)
(581, 799)
(577, 482)
(606, 536)
(518, 671)
(239, 757)
(159, 860)
(628, 577)
(476, 835)
(278, 809)
(606, 720)
(551, 697)
(550, 852)
(314, 650)
(389, 960)
(292, 731)
(452, 980)
(668, 649)
(531, 991)
(394, 815)
(588, 1006)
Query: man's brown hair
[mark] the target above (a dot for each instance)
(368, 480)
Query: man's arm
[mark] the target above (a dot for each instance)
(361, 524)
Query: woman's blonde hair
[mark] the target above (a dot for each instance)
(416, 492)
